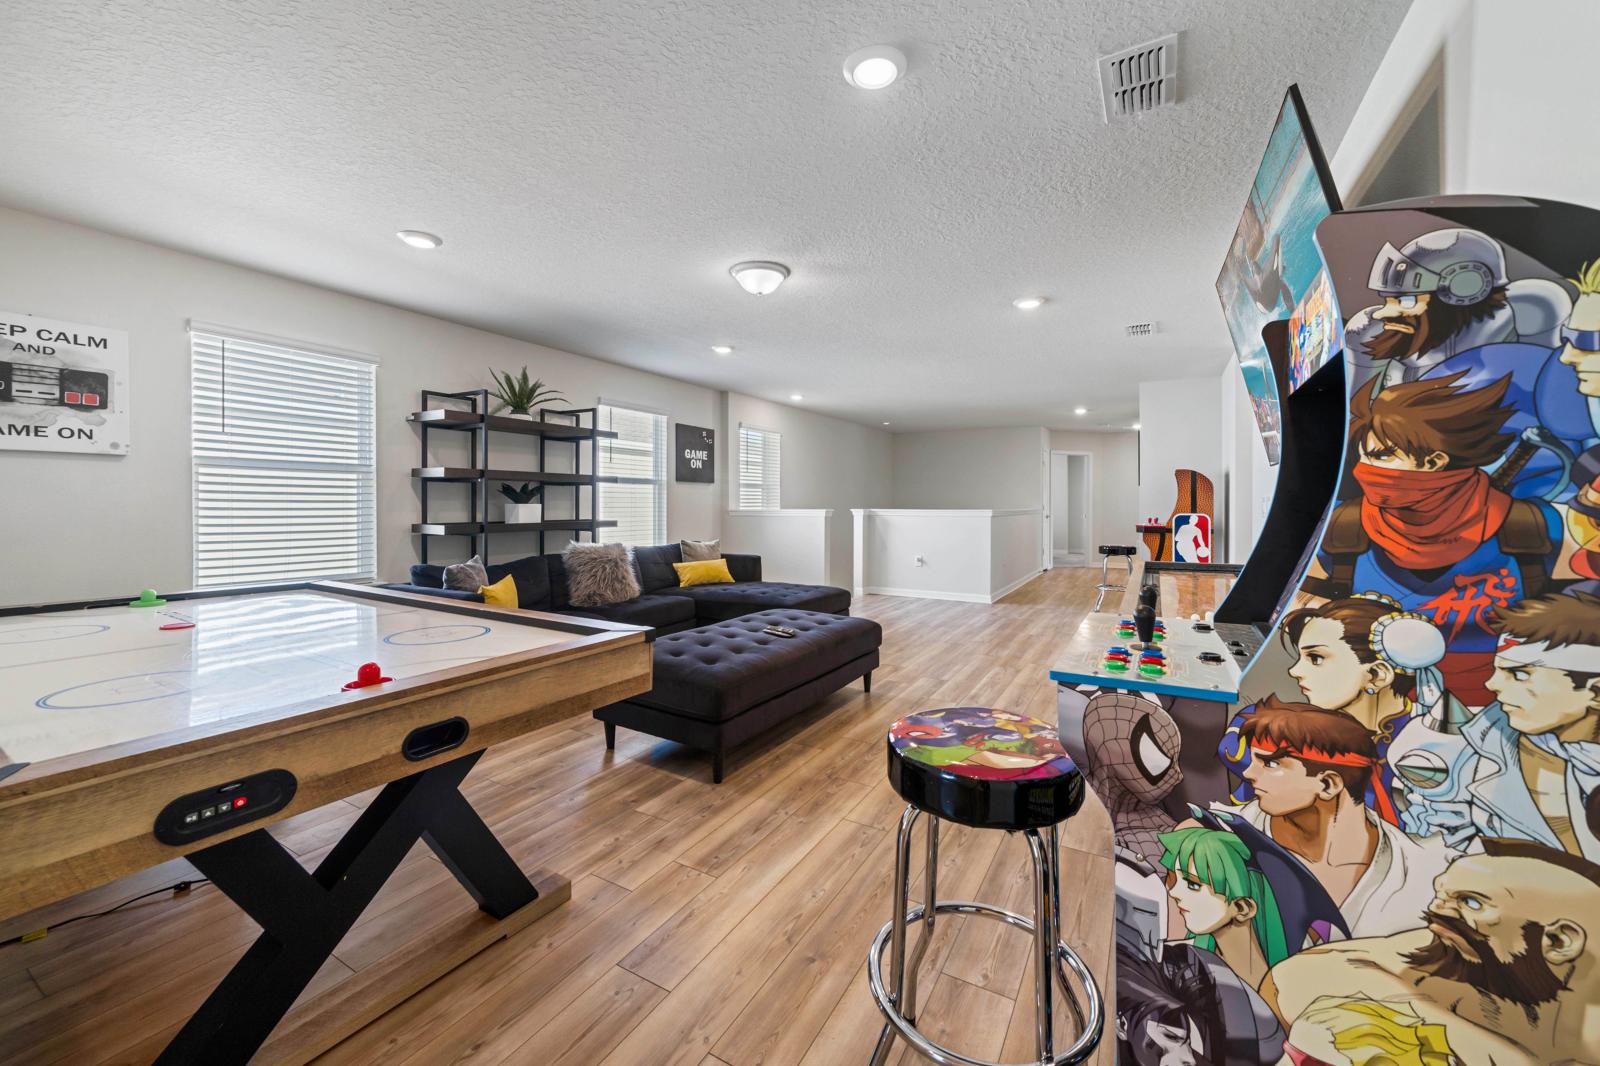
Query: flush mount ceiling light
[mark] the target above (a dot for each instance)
(1080, 410)
(875, 68)
(420, 239)
(722, 349)
(1028, 303)
(759, 277)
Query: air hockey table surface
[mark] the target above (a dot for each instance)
(72, 682)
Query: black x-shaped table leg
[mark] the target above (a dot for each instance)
(303, 916)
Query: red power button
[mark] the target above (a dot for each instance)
(238, 801)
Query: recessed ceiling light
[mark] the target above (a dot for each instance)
(1028, 303)
(874, 68)
(759, 277)
(1080, 410)
(722, 349)
(419, 239)
(886, 423)
(1135, 426)
(796, 397)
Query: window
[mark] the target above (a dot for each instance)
(284, 466)
(760, 462)
(637, 458)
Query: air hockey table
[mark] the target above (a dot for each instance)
(133, 735)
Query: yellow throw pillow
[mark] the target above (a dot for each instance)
(502, 593)
(703, 572)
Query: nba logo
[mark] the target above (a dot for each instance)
(1191, 538)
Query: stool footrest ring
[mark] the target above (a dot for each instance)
(1081, 1048)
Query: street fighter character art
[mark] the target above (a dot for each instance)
(1502, 968)
(1310, 769)
(1432, 531)
(1533, 771)
(1445, 293)
(1581, 352)
(1360, 655)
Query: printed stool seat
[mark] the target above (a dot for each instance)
(984, 768)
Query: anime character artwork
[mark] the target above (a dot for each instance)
(1418, 748)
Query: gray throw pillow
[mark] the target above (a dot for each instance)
(695, 551)
(599, 574)
(469, 576)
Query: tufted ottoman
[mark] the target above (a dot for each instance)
(721, 684)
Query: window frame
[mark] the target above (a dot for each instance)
(659, 502)
(365, 468)
(738, 470)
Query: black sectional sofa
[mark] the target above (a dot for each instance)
(541, 582)
(719, 678)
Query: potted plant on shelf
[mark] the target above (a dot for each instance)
(522, 504)
(515, 393)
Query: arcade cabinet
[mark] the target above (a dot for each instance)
(1399, 699)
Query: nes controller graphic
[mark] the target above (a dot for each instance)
(51, 386)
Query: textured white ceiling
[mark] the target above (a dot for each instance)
(595, 169)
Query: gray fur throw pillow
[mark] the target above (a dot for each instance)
(469, 576)
(695, 551)
(599, 574)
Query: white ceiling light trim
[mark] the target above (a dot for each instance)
(1080, 410)
(417, 238)
(877, 67)
(1028, 303)
(796, 397)
(722, 349)
(759, 277)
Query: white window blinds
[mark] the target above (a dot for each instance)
(637, 458)
(760, 463)
(284, 468)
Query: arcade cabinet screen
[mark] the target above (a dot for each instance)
(1314, 333)
(1273, 260)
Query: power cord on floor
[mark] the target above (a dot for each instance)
(177, 889)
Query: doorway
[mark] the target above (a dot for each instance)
(1071, 508)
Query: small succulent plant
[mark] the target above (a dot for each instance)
(519, 395)
(526, 494)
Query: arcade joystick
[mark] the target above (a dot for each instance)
(367, 675)
(1144, 616)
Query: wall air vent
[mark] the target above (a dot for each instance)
(1139, 79)
(1139, 329)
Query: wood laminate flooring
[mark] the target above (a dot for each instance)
(708, 926)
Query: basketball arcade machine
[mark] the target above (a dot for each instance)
(1315, 795)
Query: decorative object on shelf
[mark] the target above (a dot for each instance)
(63, 386)
(523, 504)
(517, 394)
(697, 454)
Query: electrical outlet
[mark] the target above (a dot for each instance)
(916, 560)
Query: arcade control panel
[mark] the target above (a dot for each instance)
(1186, 657)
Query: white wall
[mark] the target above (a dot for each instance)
(86, 526)
(1516, 93)
(1180, 431)
(972, 555)
(794, 545)
(1250, 481)
(1115, 497)
(828, 463)
(1001, 469)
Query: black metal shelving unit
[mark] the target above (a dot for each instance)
(574, 427)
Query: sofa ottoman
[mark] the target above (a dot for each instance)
(721, 684)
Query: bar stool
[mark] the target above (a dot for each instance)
(987, 769)
(1107, 551)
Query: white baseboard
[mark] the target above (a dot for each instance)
(958, 597)
(1015, 585)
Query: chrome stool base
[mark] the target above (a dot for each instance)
(1106, 585)
(897, 999)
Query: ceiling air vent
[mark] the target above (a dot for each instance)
(1139, 79)
(1139, 329)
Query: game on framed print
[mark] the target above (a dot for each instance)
(697, 452)
(63, 386)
